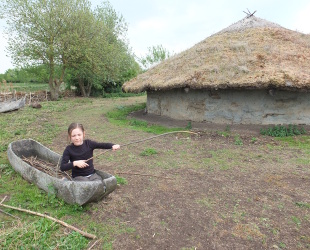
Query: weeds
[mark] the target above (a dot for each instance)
(148, 152)
(282, 131)
(189, 125)
(253, 140)
(303, 205)
(224, 133)
(238, 140)
(296, 220)
(121, 180)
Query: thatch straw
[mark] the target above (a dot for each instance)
(250, 54)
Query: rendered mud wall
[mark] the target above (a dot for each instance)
(232, 106)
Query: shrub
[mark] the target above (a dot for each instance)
(282, 131)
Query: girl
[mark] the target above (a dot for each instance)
(76, 154)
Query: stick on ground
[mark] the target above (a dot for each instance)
(9, 214)
(88, 235)
(150, 175)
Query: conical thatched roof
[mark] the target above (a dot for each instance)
(252, 53)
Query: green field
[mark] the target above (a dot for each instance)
(24, 87)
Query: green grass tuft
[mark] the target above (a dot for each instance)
(121, 180)
(303, 205)
(282, 131)
(120, 114)
(148, 152)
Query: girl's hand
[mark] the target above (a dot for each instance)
(116, 146)
(80, 164)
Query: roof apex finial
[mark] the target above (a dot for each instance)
(249, 14)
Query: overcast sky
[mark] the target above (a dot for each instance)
(179, 24)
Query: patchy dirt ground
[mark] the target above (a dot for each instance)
(211, 191)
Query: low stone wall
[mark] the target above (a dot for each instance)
(232, 106)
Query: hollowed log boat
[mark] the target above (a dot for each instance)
(12, 105)
(72, 192)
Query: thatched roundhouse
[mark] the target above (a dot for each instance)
(253, 72)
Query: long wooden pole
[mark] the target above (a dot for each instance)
(150, 175)
(146, 139)
(88, 235)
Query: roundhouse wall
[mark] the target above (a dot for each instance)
(232, 106)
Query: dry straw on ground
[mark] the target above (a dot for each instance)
(250, 54)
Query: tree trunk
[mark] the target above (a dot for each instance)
(82, 87)
(89, 85)
(54, 93)
(54, 87)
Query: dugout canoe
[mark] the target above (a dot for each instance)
(12, 105)
(72, 192)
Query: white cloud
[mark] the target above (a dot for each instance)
(302, 22)
(5, 62)
(154, 24)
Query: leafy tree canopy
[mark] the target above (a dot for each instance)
(68, 35)
(155, 55)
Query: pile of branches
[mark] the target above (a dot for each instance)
(46, 167)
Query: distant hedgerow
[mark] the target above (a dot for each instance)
(282, 131)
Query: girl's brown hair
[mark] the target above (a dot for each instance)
(73, 126)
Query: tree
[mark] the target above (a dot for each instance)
(68, 35)
(37, 29)
(103, 55)
(155, 55)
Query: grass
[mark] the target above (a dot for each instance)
(222, 159)
(300, 142)
(119, 115)
(121, 180)
(40, 234)
(148, 152)
(33, 232)
(238, 140)
(42, 125)
(23, 87)
(242, 192)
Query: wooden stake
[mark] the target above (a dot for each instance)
(88, 235)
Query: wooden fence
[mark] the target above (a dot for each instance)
(31, 97)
